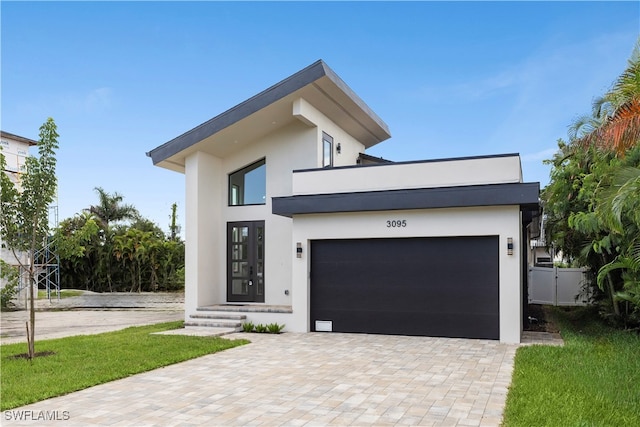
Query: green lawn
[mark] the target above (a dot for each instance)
(64, 293)
(87, 360)
(594, 380)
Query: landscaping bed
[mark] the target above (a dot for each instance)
(540, 319)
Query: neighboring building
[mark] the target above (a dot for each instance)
(15, 150)
(288, 221)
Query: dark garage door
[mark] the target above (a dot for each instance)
(441, 286)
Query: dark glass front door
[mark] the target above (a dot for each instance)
(245, 261)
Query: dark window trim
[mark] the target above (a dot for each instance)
(328, 138)
(251, 247)
(229, 185)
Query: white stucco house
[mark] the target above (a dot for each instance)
(15, 149)
(289, 221)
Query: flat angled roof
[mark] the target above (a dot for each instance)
(318, 75)
(409, 162)
(18, 138)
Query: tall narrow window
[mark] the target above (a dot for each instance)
(248, 186)
(327, 151)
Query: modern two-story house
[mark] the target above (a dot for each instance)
(288, 220)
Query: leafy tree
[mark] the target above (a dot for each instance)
(620, 210)
(79, 240)
(11, 276)
(24, 218)
(593, 199)
(619, 200)
(110, 209)
(174, 228)
(125, 256)
(574, 222)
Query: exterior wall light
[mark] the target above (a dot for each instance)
(509, 245)
(298, 250)
(338, 148)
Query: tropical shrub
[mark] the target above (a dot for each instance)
(11, 276)
(592, 203)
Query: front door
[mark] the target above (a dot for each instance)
(245, 261)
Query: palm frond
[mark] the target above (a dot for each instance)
(620, 132)
(618, 112)
(582, 127)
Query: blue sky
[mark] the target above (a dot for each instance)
(449, 78)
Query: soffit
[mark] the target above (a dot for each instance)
(271, 110)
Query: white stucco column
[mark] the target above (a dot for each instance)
(511, 280)
(202, 230)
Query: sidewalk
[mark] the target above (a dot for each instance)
(140, 301)
(92, 313)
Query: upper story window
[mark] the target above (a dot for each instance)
(327, 150)
(248, 186)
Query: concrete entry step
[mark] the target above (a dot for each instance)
(215, 319)
(247, 308)
(199, 331)
(214, 323)
(217, 315)
(230, 315)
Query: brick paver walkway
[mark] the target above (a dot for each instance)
(312, 379)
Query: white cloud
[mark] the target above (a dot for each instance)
(99, 99)
(96, 100)
(468, 90)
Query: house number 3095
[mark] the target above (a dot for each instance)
(396, 223)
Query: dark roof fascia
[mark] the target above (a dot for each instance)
(525, 195)
(373, 159)
(257, 102)
(18, 138)
(410, 162)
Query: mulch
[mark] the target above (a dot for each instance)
(36, 354)
(540, 319)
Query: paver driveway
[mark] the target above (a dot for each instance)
(305, 379)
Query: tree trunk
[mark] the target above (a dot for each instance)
(32, 321)
(133, 277)
(612, 291)
(32, 309)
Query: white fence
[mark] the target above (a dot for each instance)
(557, 286)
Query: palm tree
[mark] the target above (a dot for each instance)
(616, 127)
(617, 113)
(111, 209)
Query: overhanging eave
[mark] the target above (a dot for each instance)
(525, 195)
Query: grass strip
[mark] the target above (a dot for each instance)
(594, 380)
(83, 361)
(64, 293)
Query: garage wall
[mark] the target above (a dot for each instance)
(407, 175)
(486, 221)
